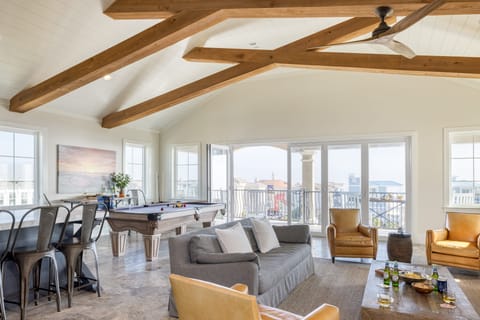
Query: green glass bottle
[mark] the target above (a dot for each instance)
(395, 277)
(435, 277)
(386, 274)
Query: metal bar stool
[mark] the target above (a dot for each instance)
(40, 228)
(6, 217)
(74, 247)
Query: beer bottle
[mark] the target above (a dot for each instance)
(395, 278)
(386, 274)
(435, 278)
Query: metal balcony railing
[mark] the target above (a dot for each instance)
(386, 210)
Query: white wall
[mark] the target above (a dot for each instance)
(328, 105)
(58, 129)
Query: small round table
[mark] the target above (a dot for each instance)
(399, 247)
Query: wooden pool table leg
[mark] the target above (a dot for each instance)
(152, 245)
(119, 242)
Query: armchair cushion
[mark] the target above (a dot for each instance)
(353, 239)
(456, 248)
(463, 226)
(345, 220)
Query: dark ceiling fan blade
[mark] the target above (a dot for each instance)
(413, 18)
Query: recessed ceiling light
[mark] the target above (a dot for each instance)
(107, 77)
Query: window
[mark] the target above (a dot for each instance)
(135, 164)
(464, 168)
(186, 172)
(18, 167)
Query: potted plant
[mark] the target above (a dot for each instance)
(120, 180)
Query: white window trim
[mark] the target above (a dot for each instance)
(447, 169)
(147, 166)
(173, 169)
(41, 171)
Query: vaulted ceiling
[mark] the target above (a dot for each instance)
(167, 57)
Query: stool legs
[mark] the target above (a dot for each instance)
(2, 303)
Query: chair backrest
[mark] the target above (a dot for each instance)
(463, 226)
(201, 300)
(90, 220)
(137, 197)
(41, 227)
(7, 220)
(345, 220)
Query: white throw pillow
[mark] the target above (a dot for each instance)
(265, 235)
(234, 239)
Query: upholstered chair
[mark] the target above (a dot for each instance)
(458, 244)
(202, 300)
(347, 237)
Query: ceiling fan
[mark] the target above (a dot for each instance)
(384, 34)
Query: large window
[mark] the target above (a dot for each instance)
(186, 172)
(18, 167)
(464, 168)
(135, 165)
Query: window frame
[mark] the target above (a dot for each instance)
(448, 137)
(37, 163)
(146, 161)
(174, 167)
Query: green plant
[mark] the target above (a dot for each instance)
(120, 180)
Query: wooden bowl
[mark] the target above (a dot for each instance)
(422, 287)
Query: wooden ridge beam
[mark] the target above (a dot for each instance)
(442, 66)
(153, 39)
(340, 32)
(148, 9)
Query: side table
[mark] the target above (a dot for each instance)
(399, 247)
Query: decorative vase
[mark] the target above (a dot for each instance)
(121, 194)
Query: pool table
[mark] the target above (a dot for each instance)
(151, 220)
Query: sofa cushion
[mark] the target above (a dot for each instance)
(278, 262)
(201, 244)
(233, 239)
(456, 248)
(251, 238)
(265, 235)
(353, 239)
(226, 257)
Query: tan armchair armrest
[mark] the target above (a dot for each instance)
(478, 241)
(324, 312)
(240, 287)
(367, 230)
(439, 235)
(331, 231)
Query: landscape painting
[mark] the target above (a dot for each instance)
(84, 170)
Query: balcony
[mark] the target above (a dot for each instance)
(386, 210)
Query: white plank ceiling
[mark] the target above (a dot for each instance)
(41, 38)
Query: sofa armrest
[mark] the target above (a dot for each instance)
(324, 312)
(225, 274)
(298, 233)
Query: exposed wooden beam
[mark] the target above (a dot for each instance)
(456, 67)
(182, 94)
(154, 39)
(148, 9)
(340, 32)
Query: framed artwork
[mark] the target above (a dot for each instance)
(84, 170)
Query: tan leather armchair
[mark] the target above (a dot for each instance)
(202, 300)
(347, 237)
(458, 244)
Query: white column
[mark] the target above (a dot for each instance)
(308, 183)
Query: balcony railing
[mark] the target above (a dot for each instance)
(386, 210)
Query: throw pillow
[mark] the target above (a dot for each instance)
(203, 243)
(265, 235)
(251, 237)
(233, 240)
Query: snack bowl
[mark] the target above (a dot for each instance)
(422, 287)
(410, 277)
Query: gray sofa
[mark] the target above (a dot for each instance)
(270, 276)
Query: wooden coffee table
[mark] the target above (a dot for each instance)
(409, 304)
